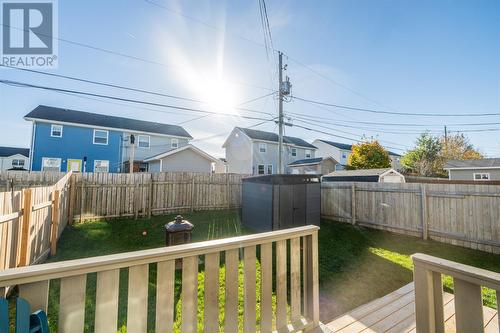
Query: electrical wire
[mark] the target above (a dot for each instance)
(28, 85)
(396, 113)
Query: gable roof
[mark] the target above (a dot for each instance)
(273, 137)
(473, 164)
(178, 150)
(9, 151)
(49, 113)
(345, 146)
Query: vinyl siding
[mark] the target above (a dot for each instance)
(158, 145)
(469, 174)
(186, 160)
(238, 153)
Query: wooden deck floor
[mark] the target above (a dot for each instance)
(395, 313)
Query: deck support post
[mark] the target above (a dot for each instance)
(428, 300)
(311, 283)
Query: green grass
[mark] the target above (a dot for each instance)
(359, 264)
(356, 264)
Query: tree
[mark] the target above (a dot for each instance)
(368, 155)
(424, 158)
(431, 153)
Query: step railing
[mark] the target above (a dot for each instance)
(467, 283)
(289, 304)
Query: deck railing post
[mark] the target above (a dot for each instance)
(311, 283)
(428, 300)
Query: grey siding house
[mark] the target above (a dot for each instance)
(477, 170)
(250, 151)
(187, 158)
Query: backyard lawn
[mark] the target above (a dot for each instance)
(356, 264)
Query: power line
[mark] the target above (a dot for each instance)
(397, 113)
(112, 85)
(225, 133)
(27, 85)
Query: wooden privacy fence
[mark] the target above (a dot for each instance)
(274, 253)
(467, 283)
(108, 195)
(18, 180)
(465, 215)
(31, 222)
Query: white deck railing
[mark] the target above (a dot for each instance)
(467, 283)
(298, 312)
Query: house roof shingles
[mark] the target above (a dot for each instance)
(307, 161)
(10, 151)
(473, 164)
(345, 146)
(273, 137)
(49, 113)
(359, 172)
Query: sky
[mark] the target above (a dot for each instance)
(424, 57)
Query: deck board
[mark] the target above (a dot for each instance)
(395, 313)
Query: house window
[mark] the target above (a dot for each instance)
(17, 163)
(262, 147)
(101, 166)
(294, 151)
(144, 141)
(175, 143)
(56, 131)
(344, 154)
(308, 153)
(269, 169)
(481, 176)
(51, 164)
(100, 137)
(260, 169)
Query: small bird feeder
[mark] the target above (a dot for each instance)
(178, 231)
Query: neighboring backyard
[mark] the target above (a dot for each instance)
(356, 264)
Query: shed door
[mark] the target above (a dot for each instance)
(299, 205)
(285, 206)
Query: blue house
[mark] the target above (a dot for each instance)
(64, 140)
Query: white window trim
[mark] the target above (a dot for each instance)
(481, 174)
(57, 158)
(292, 150)
(262, 146)
(308, 153)
(139, 141)
(107, 137)
(18, 160)
(263, 169)
(176, 141)
(272, 169)
(52, 131)
(95, 162)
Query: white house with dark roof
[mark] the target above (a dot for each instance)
(341, 151)
(478, 170)
(13, 158)
(250, 151)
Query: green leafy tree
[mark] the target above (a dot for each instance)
(368, 155)
(424, 159)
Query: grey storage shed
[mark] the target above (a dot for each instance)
(274, 202)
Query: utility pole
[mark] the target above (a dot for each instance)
(132, 153)
(281, 168)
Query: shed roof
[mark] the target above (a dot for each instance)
(10, 151)
(269, 136)
(359, 172)
(473, 164)
(43, 112)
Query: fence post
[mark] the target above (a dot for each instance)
(151, 192)
(25, 229)
(353, 203)
(228, 191)
(71, 198)
(54, 230)
(424, 211)
(82, 199)
(192, 194)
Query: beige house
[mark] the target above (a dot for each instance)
(313, 166)
(187, 158)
